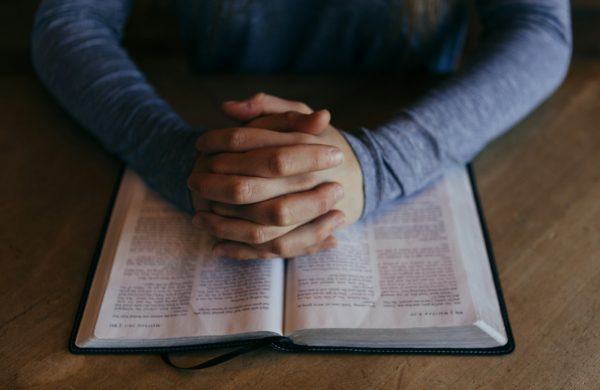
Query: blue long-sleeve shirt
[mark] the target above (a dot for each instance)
(522, 56)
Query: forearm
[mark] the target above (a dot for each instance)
(77, 55)
(523, 56)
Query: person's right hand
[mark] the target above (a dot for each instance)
(277, 168)
(266, 111)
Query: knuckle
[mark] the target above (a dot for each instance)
(279, 164)
(237, 138)
(258, 97)
(281, 215)
(291, 117)
(258, 235)
(214, 165)
(279, 247)
(257, 100)
(323, 204)
(241, 191)
(307, 181)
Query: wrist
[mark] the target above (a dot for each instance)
(366, 165)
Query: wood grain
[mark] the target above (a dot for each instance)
(540, 189)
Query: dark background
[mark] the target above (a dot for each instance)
(153, 31)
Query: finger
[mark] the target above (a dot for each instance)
(242, 139)
(239, 251)
(296, 242)
(235, 229)
(329, 243)
(261, 104)
(286, 210)
(277, 161)
(233, 189)
(313, 123)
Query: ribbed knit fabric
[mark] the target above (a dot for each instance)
(522, 57)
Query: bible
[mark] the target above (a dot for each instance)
(419, 277)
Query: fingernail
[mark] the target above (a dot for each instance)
(322, 112)
(340, 221)
(338, 192)
(336, 156)
(331, 242)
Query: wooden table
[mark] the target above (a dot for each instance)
(539, 184)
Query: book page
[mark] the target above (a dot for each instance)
(473, 248)
(164, 283)
(403, 269)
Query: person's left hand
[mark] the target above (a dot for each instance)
(291, 224)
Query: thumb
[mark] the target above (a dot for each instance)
(261, 104)
(292, 121)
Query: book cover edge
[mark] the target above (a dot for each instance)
(283, 343)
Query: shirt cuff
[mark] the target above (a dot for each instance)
(366, 154)
(168, 159)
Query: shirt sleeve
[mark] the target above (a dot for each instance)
(522, 57)
(77, 53)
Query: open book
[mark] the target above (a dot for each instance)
(416, 278)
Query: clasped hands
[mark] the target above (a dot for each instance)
(278, 185)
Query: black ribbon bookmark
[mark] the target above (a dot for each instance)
(166, 357)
